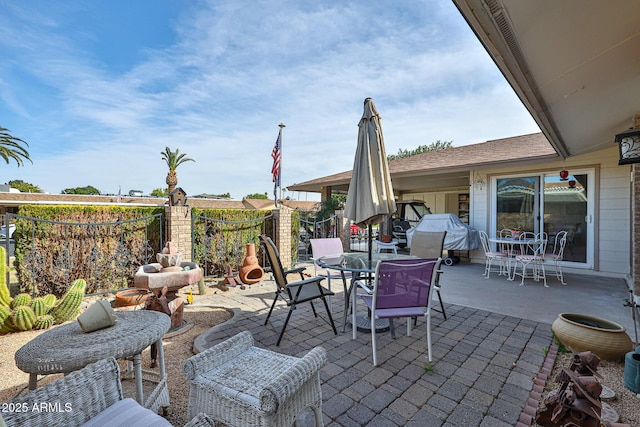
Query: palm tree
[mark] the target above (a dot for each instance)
(11, 147)
(173, 159)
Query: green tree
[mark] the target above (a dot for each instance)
(24, 187)
(257, 196)
(12, 148)
(159, 192)
(173, 160)
(88, 190)
(434, 146)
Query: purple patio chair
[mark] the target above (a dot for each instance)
(402, 288)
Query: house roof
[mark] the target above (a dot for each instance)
(448, 164)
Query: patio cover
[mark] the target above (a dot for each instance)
(460, 236)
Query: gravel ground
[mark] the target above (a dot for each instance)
(626, 403)
(177, 349)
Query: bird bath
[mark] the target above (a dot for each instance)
(170, 273)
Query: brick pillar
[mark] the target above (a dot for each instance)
(282, 237)
(344, 232)
(179, 229)
(635, 217)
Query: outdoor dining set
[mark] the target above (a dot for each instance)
(524, 254)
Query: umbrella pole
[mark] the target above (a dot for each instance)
(370, 244)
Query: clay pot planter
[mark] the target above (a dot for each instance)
(251, 272)
(579, 332)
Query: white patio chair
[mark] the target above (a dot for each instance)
(532, 256)
(558, 253)
(491, 256)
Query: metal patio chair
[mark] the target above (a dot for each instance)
(402, 289)
(300, 292)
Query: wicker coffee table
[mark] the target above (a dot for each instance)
(66, 348)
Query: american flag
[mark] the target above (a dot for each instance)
(275, 154)
(275, 169)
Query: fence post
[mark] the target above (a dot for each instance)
(282, 234)
(179, 229)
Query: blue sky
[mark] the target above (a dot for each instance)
(98, 89)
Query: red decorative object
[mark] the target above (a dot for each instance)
(564, 174)
(572, 183)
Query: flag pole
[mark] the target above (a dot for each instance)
(281, 126)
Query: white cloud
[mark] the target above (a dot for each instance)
(235, 71)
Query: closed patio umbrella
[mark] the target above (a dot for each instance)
(370, 198)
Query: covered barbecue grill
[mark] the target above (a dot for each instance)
(460, 237)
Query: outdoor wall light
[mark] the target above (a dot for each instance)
(629, 145)
(478, 182)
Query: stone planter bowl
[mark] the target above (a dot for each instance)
(579, 332)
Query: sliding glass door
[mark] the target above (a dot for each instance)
(544, 202)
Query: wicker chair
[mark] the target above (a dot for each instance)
(91, 396)
(241, 385)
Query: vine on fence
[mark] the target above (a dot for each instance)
(220, 236)
(56, 245)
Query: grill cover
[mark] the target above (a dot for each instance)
(459, 236)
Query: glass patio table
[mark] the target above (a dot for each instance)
(360, 267)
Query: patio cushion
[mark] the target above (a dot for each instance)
(127, 413)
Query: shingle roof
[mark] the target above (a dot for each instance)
(532, 147)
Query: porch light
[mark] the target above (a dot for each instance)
(478, 182)
(629, 146)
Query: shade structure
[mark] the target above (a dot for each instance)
(370, 198)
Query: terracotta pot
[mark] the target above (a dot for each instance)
(385, 238)
(579, 332)
(251, 272)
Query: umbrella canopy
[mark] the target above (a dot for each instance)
(370, 199)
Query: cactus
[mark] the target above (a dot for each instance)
(4, 313)
(39, 306)
(21, 299)
(67, 307)
(43, 322)
(78, 285)
(23, 317)
(50, 300)
(8, 326)
(5, 295)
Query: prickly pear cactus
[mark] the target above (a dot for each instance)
(68, 306)
(39, 306)
(43, 322)
(21, 299)
(23, 317)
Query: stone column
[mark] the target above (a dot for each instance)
(179, 229)
(282, 235)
